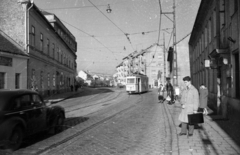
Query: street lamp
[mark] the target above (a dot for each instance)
(109, 10)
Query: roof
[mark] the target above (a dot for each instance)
(8, 45)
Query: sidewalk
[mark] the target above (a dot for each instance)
(213, 137)
(62, 96)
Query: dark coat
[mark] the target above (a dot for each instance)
(203, 97)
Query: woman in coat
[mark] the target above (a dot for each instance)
(190, 102)
(203, 98)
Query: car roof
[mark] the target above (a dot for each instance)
(7, 94)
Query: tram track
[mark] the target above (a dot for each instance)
(87, 106)
(93, 125)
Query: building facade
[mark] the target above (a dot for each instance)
(214, 54)
(13, 64)
(150, 61)
(51, 47)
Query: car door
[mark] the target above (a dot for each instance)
(39, 109)
(22, 108)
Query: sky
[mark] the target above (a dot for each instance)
(103, 39)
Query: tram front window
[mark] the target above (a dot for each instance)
(130, 80)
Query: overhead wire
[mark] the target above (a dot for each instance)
(143, 33)
(77, 7)
(126, 34)
(92, 37)
(160, 23)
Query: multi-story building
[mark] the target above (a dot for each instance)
(153, 61)
(51, 47)
(121, 74)
(86, 76)
(214, 53)
(13, 64)
(149, 61)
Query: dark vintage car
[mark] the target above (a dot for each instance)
(24, 113)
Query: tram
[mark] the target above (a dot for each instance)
(136, 83)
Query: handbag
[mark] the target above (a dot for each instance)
(195, 118)
(205, 111)
(168, 98)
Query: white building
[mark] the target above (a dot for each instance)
(13, 64)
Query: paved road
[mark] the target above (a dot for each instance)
(143, 128)
(110, 122)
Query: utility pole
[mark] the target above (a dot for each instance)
(175, 66)
(164, 57)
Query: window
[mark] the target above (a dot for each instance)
(41, 42)
(21, 102)
(233, 6)
(17, 80)
(48, 46)
(222, 13)
(53, 50)
(209, 30)
(57, 54)
(214, 23)
(36, 99)
(33, 36)
(54, 80)
(48, 79)
(237, 75)
(205, 37)
(41, 80)
(61, 58)
(130, 80)
(2, 80)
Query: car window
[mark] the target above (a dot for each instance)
(21, 102)
(37, 100)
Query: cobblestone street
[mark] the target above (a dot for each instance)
(143, 129)
(151, 128)
(138, 125)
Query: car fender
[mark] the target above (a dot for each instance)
(7, 126)
(53, 113)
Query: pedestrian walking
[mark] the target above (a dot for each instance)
(189, 102)
(160, 93)
(177, 92)
(203, 98)
(170, 92)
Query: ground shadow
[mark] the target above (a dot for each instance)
(92, 91)
(230, 125)
(69, 123)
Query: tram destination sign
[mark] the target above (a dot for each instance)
(5, 61)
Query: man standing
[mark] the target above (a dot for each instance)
(189, 102)
(169, 89)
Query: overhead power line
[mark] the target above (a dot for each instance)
(92, 37)
(182, 38)
(77, 7)
(160, 23)
(126, 34)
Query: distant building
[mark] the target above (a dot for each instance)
(13, 64)
(86, 77)
(150, 61)
(50, 45)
